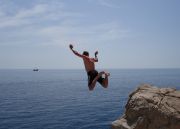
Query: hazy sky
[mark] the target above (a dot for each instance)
(127, 34)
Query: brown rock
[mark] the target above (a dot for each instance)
(151, 108)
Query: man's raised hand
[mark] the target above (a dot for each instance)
(96, 53)
(71, 46)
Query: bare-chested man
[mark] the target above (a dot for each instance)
(93, 75)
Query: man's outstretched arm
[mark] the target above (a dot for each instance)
(76, 53)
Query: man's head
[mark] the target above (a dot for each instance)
(86, 53)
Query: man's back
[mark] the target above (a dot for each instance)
(89, 64)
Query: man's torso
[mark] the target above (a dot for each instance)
(89, 65)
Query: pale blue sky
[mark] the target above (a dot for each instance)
(128, 34)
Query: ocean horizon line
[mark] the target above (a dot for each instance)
(84, 69)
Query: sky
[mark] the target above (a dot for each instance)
(127, 33)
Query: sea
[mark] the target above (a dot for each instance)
(60, 99)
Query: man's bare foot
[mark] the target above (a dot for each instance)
(107, 74)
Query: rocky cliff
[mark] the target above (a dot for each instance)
(151, 108)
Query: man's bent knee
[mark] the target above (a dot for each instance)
(91, 88)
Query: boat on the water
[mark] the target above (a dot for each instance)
(35, 69)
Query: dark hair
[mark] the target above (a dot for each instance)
(86, 53)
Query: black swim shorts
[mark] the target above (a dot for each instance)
(91, 75)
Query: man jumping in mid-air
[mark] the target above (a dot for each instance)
(93, 75)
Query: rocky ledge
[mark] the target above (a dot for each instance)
(150, 107)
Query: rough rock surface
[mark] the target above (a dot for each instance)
(151, 108)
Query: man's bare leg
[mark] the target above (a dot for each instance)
(93, 84)
(105, 81)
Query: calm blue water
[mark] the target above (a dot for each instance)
(59, 99)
